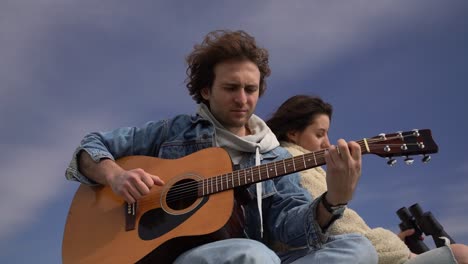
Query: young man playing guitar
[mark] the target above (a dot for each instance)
(226, 77)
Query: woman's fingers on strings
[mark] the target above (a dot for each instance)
(327, 155)
(342, 149)
(346, 150)
(355, 150)
(334, 154)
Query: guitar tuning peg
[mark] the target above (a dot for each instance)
(426, 158)
(409, 160)
(400, 134)
(391, 161)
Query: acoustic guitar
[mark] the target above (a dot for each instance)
(197, 204)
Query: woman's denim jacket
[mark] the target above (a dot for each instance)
(288, 209)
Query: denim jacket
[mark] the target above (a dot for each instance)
(288, 209)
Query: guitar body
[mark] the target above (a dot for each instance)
(95, 231)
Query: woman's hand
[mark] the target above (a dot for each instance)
(343, 171)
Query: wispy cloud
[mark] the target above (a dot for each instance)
(306, 36)
(33, 174)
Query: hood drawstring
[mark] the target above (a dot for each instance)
(261, 140)
(258, 185)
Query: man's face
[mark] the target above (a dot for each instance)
(234, 94)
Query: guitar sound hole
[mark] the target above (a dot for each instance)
(182, 194)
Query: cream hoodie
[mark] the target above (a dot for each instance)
(261, 140)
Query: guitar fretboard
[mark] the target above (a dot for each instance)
(263, 172)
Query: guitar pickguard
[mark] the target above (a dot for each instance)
(157, 222)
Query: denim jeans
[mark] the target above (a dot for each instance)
(438, 255)
(230, 251)
(346, 248)
(349, 248)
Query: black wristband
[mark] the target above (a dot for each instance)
(327, 205)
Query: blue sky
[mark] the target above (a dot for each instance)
(72, 67)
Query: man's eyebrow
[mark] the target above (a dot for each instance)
(230, 84)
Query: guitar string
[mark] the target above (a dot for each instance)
(220, 179)
(192, 190)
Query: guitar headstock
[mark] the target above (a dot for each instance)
(408, 143)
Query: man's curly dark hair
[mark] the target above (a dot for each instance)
(219, 46)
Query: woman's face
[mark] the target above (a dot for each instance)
(315, 136)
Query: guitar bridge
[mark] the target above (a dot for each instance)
(130, 216)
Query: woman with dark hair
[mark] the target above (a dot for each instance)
(301, 125)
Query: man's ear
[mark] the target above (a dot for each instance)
(205, 93)
(292, 136)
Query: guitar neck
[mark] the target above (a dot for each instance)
(265, 171)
